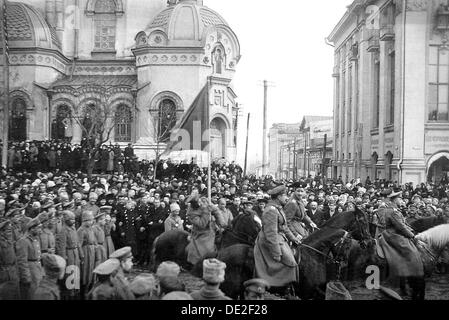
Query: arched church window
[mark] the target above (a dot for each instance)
(166, 119)
(105, 25)
(62, 124)
(123, 123)
(18, 121)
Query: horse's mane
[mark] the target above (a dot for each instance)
(339, 220)
(436, 237)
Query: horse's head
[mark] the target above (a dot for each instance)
(360, 227)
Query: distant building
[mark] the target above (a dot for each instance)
(280, 134)
(391, 107)
(287, 143)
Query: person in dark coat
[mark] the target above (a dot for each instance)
(397, 242)
(8, 260)
(319, 217)
(125, 219)
(156, 221)
(141, 230)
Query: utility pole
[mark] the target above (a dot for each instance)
(264, 148)
(324, 158)
(305, 150)
(5, 53)
(246, 149)
(266, 84)
(294, 161)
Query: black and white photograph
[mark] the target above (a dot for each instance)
(243, 151)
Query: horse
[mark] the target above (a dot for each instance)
(430, 244)
(171, 245)
(331, 243)
(423, 224)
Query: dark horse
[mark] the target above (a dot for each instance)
(426, 223)
(324, 253)
(235, 248)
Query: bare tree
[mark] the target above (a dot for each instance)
(97, 123)
(165, 121)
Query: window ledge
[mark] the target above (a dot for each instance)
(103, 53)
(374, 132)
(389, 128)
(437, 125)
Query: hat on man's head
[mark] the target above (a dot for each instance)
(177, 295)
(106, 209)
(87, 215)
(213, 271)
(107, 267)
(122, 253)
(99, 214)
(174, 207)
(142, 285)
(53, 264)
(256, 285)
(168, 269)
(277, 191)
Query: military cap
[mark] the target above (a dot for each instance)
(33, 223)
(107, 267)
(256, 285)
(122, 253)
(106, 208)
(87, 215)
(277, 190)
(99, 214)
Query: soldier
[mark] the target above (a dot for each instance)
(213, 276)
(109, 227)
(47, 238)
(8, 261)
(274, 259)
(54, 267)
(98, 228)
(15, 216)
(297, 218)
(125, 218)
(88, 243)
(145, 287)
(125, 257)
(29, 259)
(91, 205)
(104, 289)
(255, 289)
(67, 246)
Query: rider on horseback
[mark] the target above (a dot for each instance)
(295, 212)
(397, 242)
(274, 259)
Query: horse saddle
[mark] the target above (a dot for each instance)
(379, 250)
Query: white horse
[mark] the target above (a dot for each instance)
(436, 242)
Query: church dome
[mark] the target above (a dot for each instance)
(185, 20)
(28, 28)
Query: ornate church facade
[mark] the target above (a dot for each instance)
(134, 57)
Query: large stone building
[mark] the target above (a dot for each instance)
(392, 91)
(134, 57)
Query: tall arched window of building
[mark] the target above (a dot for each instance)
(62, 124)
(166, 119)
(18, 120)
(438, 85)
(105, 21)
(376, 90)
(123, 124)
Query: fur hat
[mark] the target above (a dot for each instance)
(87, 215)
(177, 295)
(174, 207)
(168, 269)
(213, 271)
(53, 264)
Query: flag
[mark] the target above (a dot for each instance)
(191, 133)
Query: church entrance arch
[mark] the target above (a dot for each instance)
(62, 124)
(438, 167)
(218, 138)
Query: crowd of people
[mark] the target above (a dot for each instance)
(65, 235)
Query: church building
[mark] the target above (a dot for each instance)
(139, 59)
